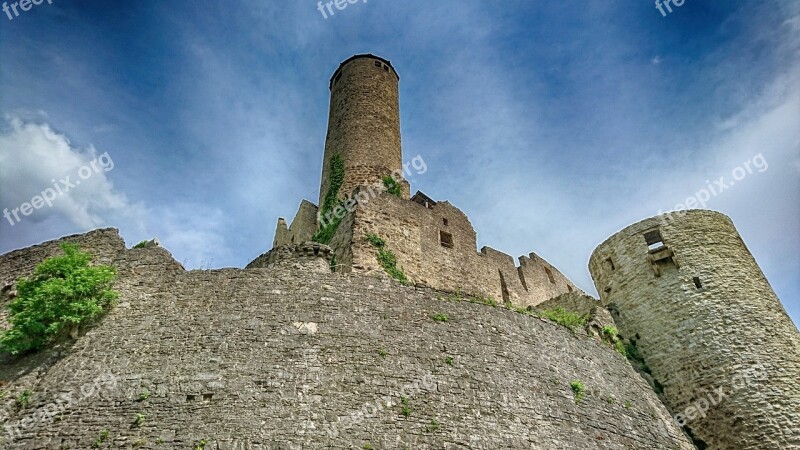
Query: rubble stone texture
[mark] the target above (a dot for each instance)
(288, 358)
(705, 318)
(364, 123)
(435, 244)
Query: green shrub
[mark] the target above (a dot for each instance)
(406, 411)
(388, 261)
(386, 258)
(439, 317)
(610, 332)
(375, 240)
(433, 426)
(620, 347)
(336, 182)
(102, 438)
(392, 186)
(578, 389)
(565, 318)
(140, 244)
(144, 395)
(23, 398)
(483, 299)
(324, 234)
(63, 293)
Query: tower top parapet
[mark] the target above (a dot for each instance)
(388, 65)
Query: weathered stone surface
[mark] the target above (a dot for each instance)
(413, 233)
(705, 319)
(436, 244)
(363, 124)
(286, 358)
(306, 256)
(302, 228)
(573, 302)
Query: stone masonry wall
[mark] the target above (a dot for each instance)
(302, 228)
(284, 359)
(573, 302)
(363, 123)
(105, 244)
(307, 254)
(709, 327)
(413, 232)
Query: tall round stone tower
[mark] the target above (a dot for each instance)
(363, 123)
(687, 293)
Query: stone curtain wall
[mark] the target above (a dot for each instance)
(363, 124)
(731, 333)
(412, 232)
(284, 359)
(308, 255)
(104, 244)
(574, 302)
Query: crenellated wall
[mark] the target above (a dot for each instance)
(413, 232)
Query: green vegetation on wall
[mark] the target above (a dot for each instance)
(63, 293)
(325, 233)
(387, 259)
(566, 318)
(392, 186)
(611, 335)
(578, 390)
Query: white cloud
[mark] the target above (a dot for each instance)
(35, 159)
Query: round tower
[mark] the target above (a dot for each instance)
(363, 124)
(694, 304)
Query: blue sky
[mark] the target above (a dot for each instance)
(551, 124)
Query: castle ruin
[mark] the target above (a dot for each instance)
(434, 241)
(314, 345)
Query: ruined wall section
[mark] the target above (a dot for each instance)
(705, 319)
(573, 302)
(104, 244)
(306, 255)
(302, 228)
(436, 246)
(268, 359)
(543, 280)
(363, 124)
